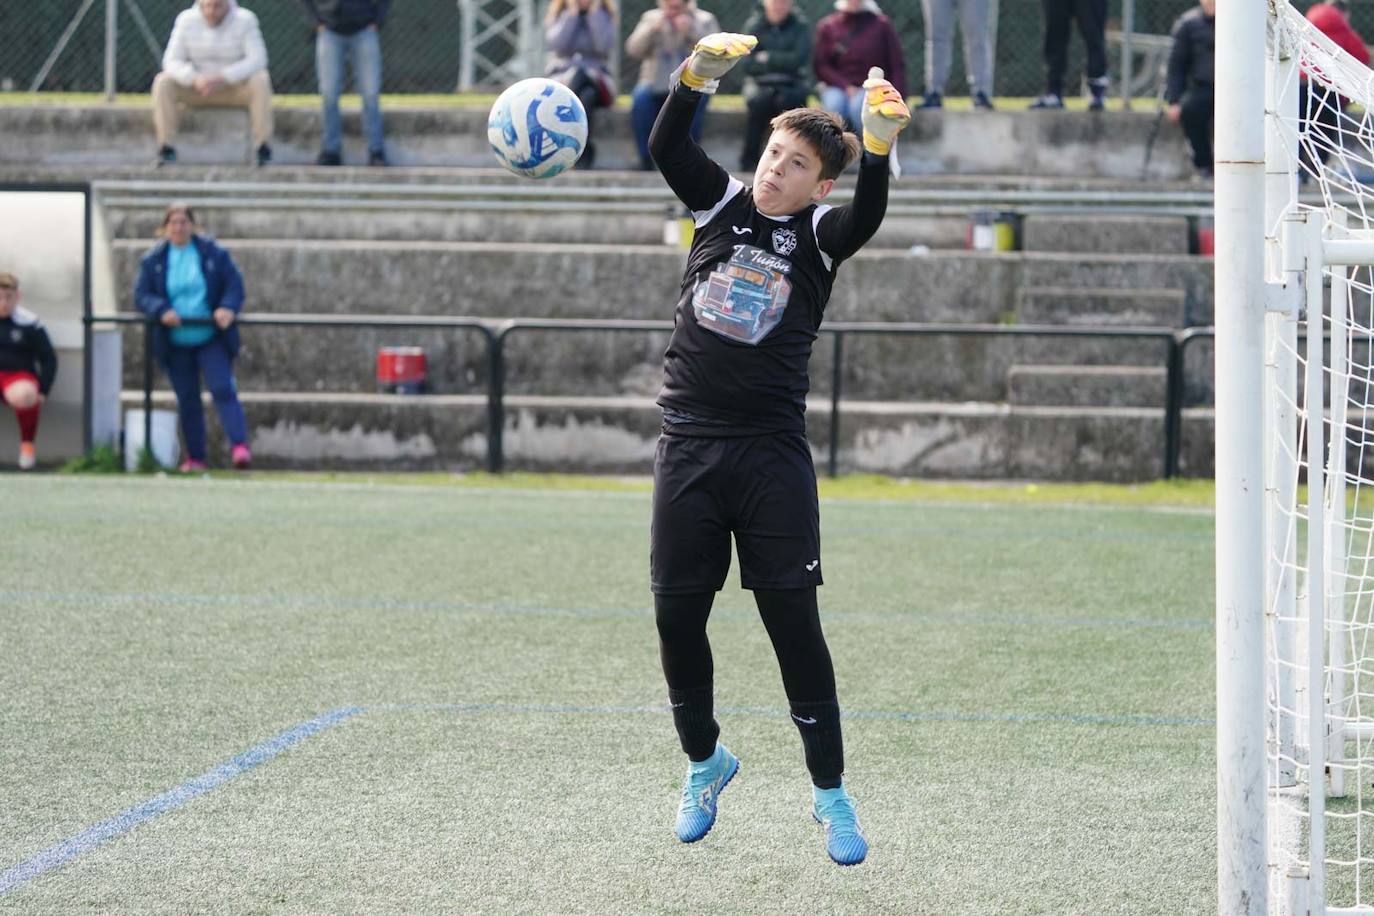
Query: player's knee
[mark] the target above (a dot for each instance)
(22, 395)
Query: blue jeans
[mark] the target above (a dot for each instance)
(851, 108)
(330, 50)
(644, 106)
(185, 365)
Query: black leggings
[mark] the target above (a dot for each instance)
(794, 627)
(808, 676)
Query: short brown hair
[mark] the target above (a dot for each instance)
(8, 280)
(825, 132)
(177, 206)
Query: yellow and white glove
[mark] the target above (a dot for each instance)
(884, 115)
(713, 57)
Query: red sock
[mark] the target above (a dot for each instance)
(28, 422)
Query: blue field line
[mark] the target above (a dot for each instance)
(645, 612)
(122, 823)
(115, 827)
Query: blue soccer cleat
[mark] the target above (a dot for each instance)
(705, 780)
(844, 840)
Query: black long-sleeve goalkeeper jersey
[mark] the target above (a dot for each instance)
(754, 291)
(25, 347)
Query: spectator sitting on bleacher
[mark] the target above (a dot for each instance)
(1188, 89)
(349, 29)
(849, 41)
(580, 36)
(661, 40)
(187, 276)
(215, 57)
(777, 75)
(28, 366)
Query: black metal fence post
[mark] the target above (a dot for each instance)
(496, 397)
(1173, 408)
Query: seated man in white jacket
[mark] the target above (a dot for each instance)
(215, 57)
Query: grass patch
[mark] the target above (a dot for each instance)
(1173, 493)
(1030, 690)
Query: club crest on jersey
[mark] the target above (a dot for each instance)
(784, 241)
(16, 335)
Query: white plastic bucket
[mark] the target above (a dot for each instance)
(166, 448)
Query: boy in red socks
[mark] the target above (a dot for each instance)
(27, 365)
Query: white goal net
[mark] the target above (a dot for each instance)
(1319, 472)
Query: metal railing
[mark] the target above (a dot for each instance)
(495, 332)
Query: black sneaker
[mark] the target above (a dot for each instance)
(1048, 101)
(166, 155)
(981, 100)
(377, 157)
(264, 155)
(1099, 100)
(931, 100)
(327, 158)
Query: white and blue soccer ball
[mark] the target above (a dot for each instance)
(537, 128)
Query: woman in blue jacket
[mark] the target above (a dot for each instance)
(194, 290)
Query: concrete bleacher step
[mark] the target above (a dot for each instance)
(549, 222)
(492, 205)
(1102, 307)
(1086, 386)
(638, 281)
(1108, 144)
(617, 435)
(586, 281)
(1115, 233)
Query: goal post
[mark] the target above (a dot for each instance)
(1295, 467)
(1239, 308)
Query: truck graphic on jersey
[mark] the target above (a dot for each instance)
(743, 298)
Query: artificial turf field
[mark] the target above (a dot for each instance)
(293, 697)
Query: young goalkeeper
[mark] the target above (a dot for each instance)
(733, 457)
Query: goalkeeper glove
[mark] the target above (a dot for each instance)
(713, 57)
(884, 114)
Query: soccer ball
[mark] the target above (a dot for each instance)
(537, 128)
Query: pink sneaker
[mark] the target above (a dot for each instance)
(191, 466)
(241, 456)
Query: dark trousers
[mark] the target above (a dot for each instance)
(644, 106)
(185, 366)
(1196, 110)
(1323, 109)
(589, 94)
(1091, 16)
(763, 106)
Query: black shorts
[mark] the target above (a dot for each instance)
(761, 489)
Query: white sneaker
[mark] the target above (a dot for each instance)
(27, 457)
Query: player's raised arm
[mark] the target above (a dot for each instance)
(844, 230)
(696, 180)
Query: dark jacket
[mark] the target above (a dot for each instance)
(783, 54)
(847, 44)
(347, 17)
(25, 347)
(1192, 60)
(223, 290)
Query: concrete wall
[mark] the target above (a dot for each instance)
(617, 435)
(1072, 144)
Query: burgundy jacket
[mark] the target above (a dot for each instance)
(847, 44)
